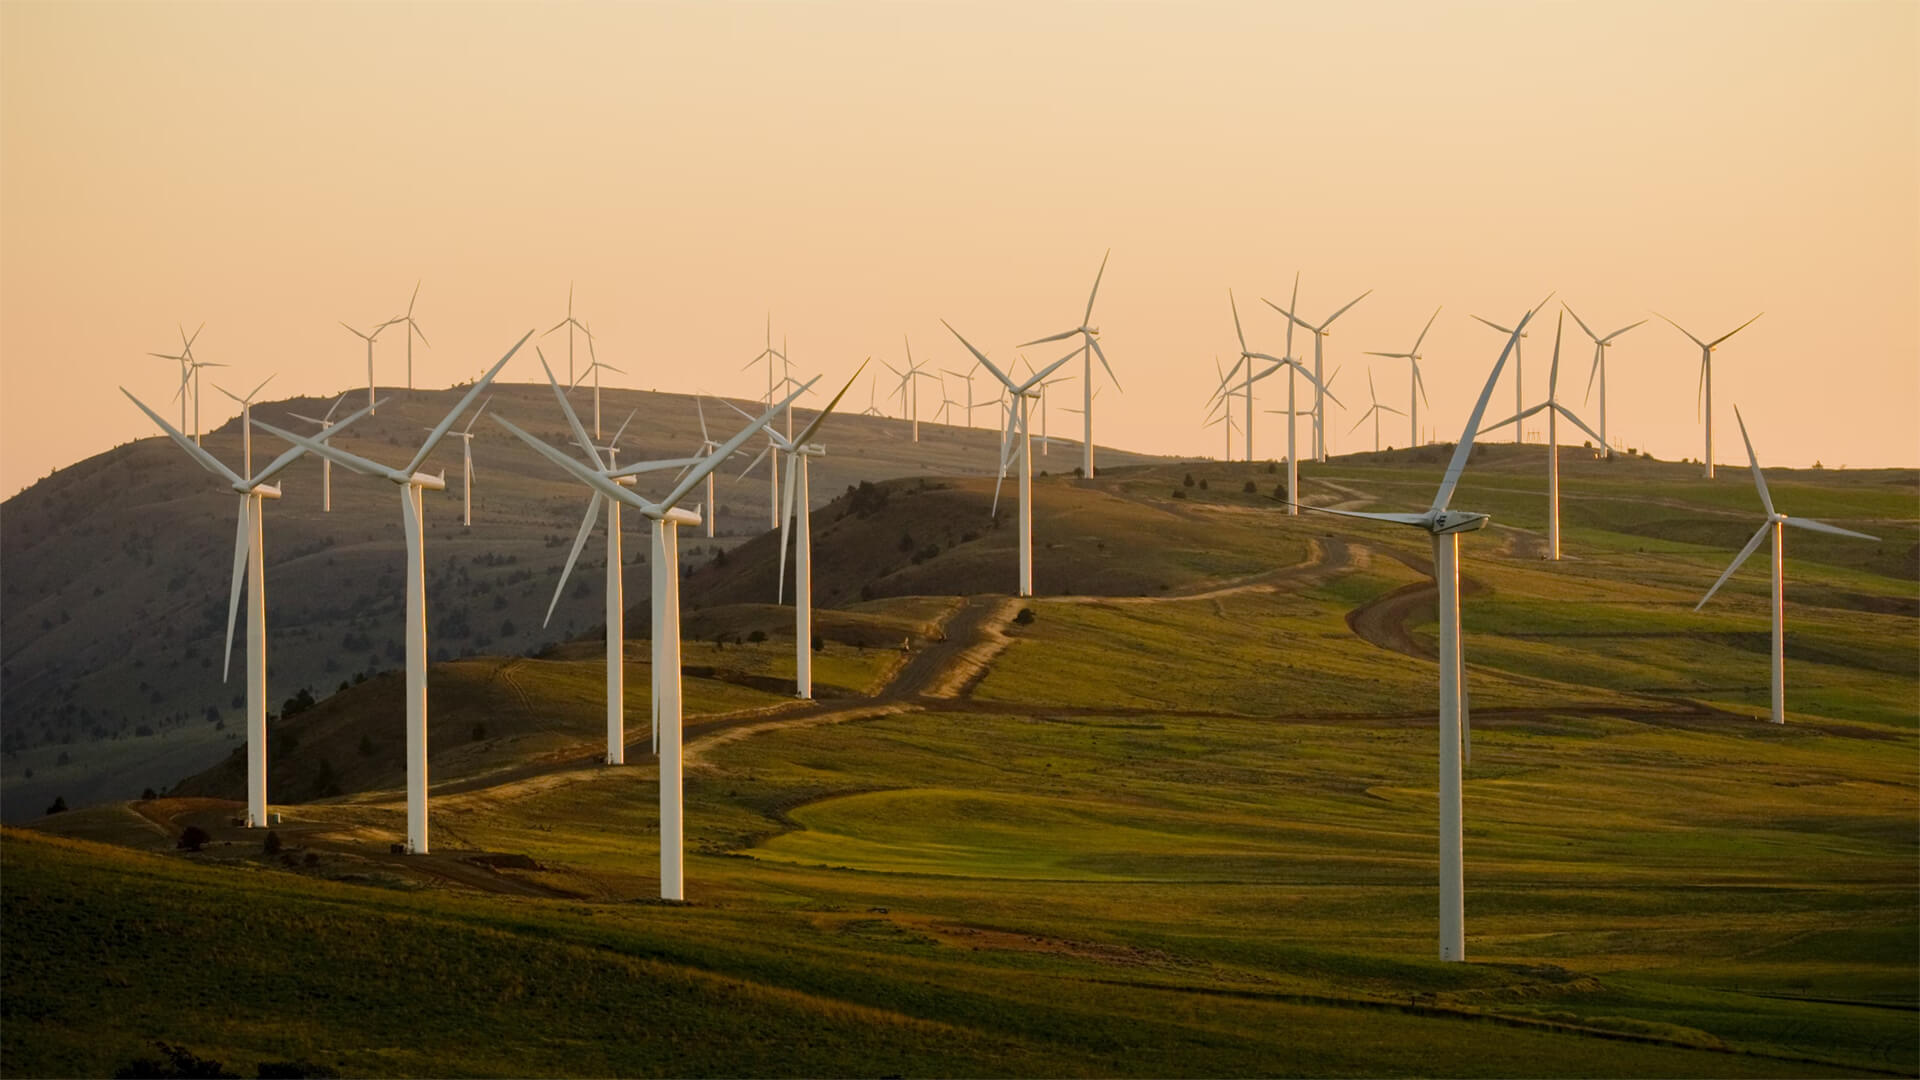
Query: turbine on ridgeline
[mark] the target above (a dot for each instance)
(1089, 348)
(1418, 389)
(1599, 368)
(1320, 383)
(1554, 411)
(1705, 389)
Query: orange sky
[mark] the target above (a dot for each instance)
(866, 169)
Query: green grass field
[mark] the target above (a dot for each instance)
(1179, 831)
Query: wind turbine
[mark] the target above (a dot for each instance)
(1375, 410)
(667, 517)
(465, 435)
(798, 511)
(413, 328)
(246, 421)
(1418, 389)
(184, 357)
(1247, 357)
(1445, 526)
(411, 483)
(326, 464)
(1600, 367)
(1772, 528)
(1090, 346)
(368, 337)
(966, 377)
(1018, 418)
(770, 354)
(1519, 370)
(909, 389)
(707, 446)
(1706, 377)
(248, 557)
(594, 367)
(874, 410)
(1319, 340)
(571, 324)
(1554, 411)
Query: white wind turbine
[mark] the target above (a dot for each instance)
(1247, 357)
(1554, 411)
(1771, 528)
(368, 337)
(246, 421)
(185, 358)
(1519, 372)
(1319, 341)
(873, 409)
(1090, 347)
(413, 328)
(770, 354)
(411, 483)
(1220, 407)
(1418, 389)
(594, 368)
(707, 446)
(1706, 378)
(248, 557)
(1374, 411)
(571, 324)
(1600, 345)
(326, 464)
(465, 435)
(1293, 410)
(1445, 526)
(800, 514)
(1019, 425)
(909, 391)
(666, 517)
(966, 377)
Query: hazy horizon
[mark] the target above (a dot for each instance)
(863, 171)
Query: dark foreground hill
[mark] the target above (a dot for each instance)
(116, 571)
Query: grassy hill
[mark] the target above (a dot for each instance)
(1177, 820)
(116, 571)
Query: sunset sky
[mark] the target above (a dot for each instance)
(864, 170)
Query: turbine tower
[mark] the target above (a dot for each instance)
(1018, 426)
(1418, 389)
(1771, 528)
(666, 518)
(411, 483)
(1554, 411)
(1319, 342)
(797, 510)
(1089, 347)
(1374, 411)
(1445, 527)
(1600, 367)
(571, 324)
(707, 446)
(770, 354)
(248, 558)
(1247, 357)
(1706, 378)
(465, 435)
(594, 368)
(909, 391)
(185, 358)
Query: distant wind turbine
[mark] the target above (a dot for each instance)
(770, 354)
(1445, 527)
(1554, 411)
(1089, 348)
(411, 483)
(1771, 528)
(1374, 411)
(1320, 333)
(246, 421)
(1706, 378)
(1600, 367)
(571, 324)
(326, 464)
(465, 435)
(1519, 371)
(368, 336)
(248, 557)
(1017, 442)
(413, 329)
(667, 517)
(1418, 389)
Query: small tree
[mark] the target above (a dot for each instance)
(272, 844)
(194, 838)
(819, 643)
(1025, 618)
(1250, 487)
(1188, 481)
(174, 1062)
(757, 636)
(479, 732)
(59, 805)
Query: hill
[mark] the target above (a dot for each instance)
(116, 572)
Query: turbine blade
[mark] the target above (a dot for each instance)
(483, 408)
(579, 542)
(474, 391)
(1343, 310)
(1096, 287)
(1553, 371)
(1753, 460)
(1062, 336)
(1735, 564)
(751, 465)
(352, 462)
(619, 431)
(1102, 354)
(1689, 333)
(1464, 448)
(1514, 419)
(199, 454)
(713, 460)
(1624, 329)
(1577, 320)
(1418, 520)
(1582, 425)
(1594, 371)
(590, 477)
(997, 373)
(786, 517)
(701, 407)
(1733, 331)
(1423, 334)
(1291, 318)
(327, 431)
(573, 418)
(1821, 526)
(807, 435)
(242, 537)
(1236, 322)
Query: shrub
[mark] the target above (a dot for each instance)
(1280, 491)
(272, 844)
(366, 746)
(148, 795)
(193, 839)
(757, 636)
(1272, 467)
(1025, 618)
(294, 1070)
(59, 805)
(1250, 487)
(819, 643)
(479, 732)
(174, 1061)
(1179, 493)
(1203, 484)
(1188, 482)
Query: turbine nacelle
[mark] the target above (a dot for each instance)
(1456, 521)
